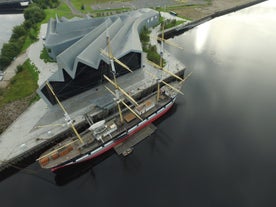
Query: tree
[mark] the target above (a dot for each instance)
(17, 32)
(44, 4)
(4, 62)
(34, 14)
(28, 24)
(10, 50)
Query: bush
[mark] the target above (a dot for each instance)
(4, 62)
(45, 56)
(151, 50)
(17, 32)
(44, 4)
(27, 24)
(144, 35)
(34, 14)
(8, 53)
(19, 68)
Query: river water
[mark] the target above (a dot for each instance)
(8, 21)
(215, 148)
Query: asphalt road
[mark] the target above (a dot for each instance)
(136, 4)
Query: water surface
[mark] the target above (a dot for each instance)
(215, 148)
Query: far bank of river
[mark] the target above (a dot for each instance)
(8, 21)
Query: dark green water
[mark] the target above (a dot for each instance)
(215, 148)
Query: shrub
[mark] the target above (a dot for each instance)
(19, 68)
(17, 32)
(34, 14)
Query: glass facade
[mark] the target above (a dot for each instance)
(87, 77)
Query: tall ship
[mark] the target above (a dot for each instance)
(109, 132)
(122, 126)
(115, 129)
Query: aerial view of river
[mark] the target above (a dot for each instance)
(216, 147)
(8, 21)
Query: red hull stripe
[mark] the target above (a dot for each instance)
(105, 149)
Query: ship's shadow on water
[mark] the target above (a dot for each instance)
(66, 175)
(157, 142)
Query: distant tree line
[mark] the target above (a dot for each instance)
(33, 15)
(45, 4)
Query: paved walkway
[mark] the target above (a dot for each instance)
(19, 135)
(33, 53)
(11, 70)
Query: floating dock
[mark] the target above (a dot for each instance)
(122, 148)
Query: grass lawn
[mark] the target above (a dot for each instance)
(44, 55)
(61, 10)
(31, 38)
(87, 6)
(23, 84)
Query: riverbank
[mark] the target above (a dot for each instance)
(198, 11)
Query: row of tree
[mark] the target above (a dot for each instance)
(32, 15)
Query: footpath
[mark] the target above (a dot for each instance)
(15, 139)
(11, 70)
(33, 53)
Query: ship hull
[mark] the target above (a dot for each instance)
(111, 144)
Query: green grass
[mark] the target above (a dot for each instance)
(78, 4)
(170, 24)
(151, 50)
(103, 12)
(31, 38)
(62, 11)
(44, 55)
(23, 84)
(179, 7)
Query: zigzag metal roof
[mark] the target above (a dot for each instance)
(90, 37)
(79, 40)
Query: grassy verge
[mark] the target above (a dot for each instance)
(84, 6)
(44, 55)
(151, 50)
(169, 23)
(185, 11)
(23, 84)
(31, 37)
(61, 11)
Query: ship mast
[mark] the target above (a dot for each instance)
(118, 89)
(66, 115)
(161, 62)
(160, 67)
